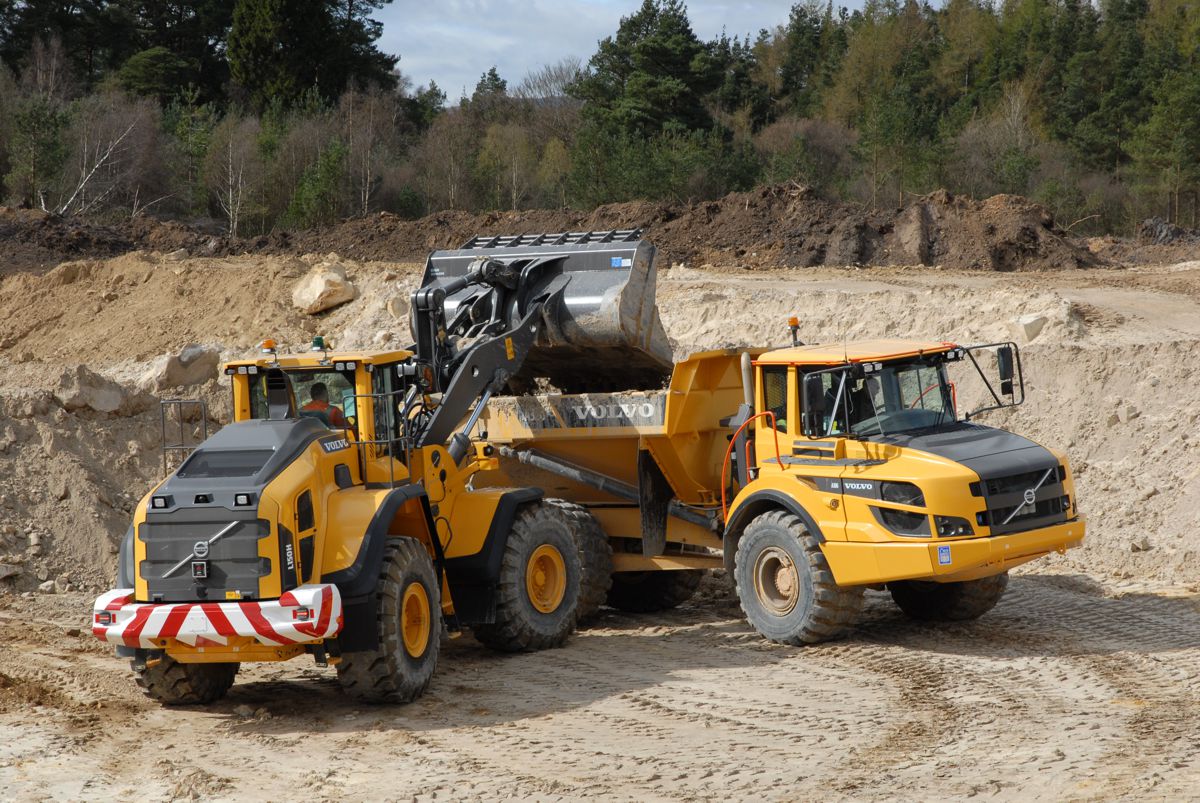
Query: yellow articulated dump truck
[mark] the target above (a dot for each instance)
(810, 474)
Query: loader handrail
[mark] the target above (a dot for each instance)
(729, 452)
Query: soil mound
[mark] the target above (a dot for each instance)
(777, 226)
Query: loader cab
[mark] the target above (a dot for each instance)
(358, 395)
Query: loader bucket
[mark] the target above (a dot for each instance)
(605, 335)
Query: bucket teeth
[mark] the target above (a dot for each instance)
(603, 334)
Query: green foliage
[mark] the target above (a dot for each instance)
(156, 72)
(316, 199)
(652, 76)
(37, 148)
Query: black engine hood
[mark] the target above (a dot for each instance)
(987, 451)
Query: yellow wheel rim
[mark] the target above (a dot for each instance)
(776, 581)
(546, 578)
(415, 619)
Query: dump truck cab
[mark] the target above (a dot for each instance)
(859, 466)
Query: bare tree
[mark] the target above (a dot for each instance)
(116, 157)
(508, 154)
(234, 169)
(368, 127)
(446, 157)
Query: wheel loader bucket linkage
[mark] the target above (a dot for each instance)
(602, 334)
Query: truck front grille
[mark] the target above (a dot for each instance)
(1005, 496)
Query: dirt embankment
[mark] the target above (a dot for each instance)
(779, 226)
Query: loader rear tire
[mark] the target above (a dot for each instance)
(949, 602)
(647, 592)
(408, 623)
(595, 558)
(785, 586)
(173, 683)
(537, 597)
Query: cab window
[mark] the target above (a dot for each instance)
(774, 379)
(325, 395)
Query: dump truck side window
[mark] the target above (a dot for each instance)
(775, 394)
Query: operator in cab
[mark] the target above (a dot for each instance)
(319, 403)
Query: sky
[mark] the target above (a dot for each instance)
(453, 42)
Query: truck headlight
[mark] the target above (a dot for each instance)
(901, 522)
(902, 493)
(949, 526)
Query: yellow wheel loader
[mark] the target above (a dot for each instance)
(336, 515)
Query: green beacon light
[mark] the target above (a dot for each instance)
(318, 344)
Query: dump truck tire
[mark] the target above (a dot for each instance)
(647, 592)
(785, 586)
(537, 598)
(408, 623)
(595, 558)
(949, 602)
(173, 683)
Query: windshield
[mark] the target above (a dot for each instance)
(899, 398)
(326, 395)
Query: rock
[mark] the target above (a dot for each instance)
(1030, 326)
(8, 570)
(62, 585)
(325, 287)
(178, 255)
(80, 388)
(243, 711)
(1140, 545)
(47, 587)
(1127, 412)
(194, 365)
(398, 307)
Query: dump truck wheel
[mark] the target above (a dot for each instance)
(409, 627)
(173, 683)
(949, 602)
(537, 599)
(785, 586)
(647, 592)
(595, 558)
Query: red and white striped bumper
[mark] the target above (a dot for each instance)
(308, 613)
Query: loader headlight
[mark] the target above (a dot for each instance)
(242, 500)
(902, 493)
(949, 526)
(160, 502)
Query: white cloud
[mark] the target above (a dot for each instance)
(453, 42)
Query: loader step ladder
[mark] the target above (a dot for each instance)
(177, 449)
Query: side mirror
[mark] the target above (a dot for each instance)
(349, 405)
(1004, 366)
(813, 398)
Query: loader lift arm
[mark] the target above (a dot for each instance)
(571, 301)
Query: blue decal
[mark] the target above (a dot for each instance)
(615, 262)
(944, 555)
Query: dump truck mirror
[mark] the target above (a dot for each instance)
(813, 399)
(1004, 364)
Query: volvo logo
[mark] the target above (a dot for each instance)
(200, 549)
(1030, 495)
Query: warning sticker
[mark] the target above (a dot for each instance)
(944, 555)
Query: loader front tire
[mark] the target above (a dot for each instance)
(949, 602)
(537, 597)
(648, 592)
(173, 683)
(595, 558)
(408, 623)
(785, 586)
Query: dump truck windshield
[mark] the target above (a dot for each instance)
(899, 398)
